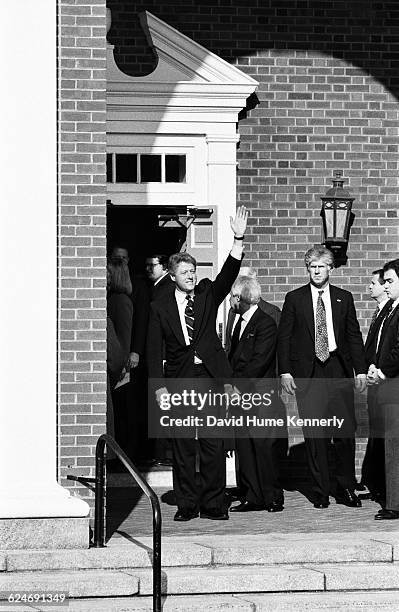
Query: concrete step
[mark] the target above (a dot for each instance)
(87, 583)
(210, 550)
(211, 580)
(271, 602)
(233, 579)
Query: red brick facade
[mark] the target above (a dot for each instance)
(327, 99)
(82, 233)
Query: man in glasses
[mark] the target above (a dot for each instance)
(156, 269)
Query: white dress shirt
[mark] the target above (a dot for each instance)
(246, 317)
(332, 345)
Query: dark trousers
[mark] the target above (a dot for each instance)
(373, 467)
(391, 414)
(205, 489)
(258, 469)
(327, 394)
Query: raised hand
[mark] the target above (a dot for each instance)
(239, 223)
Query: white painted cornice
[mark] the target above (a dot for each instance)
(186, 74)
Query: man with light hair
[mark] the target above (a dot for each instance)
(320, 349)
(270, 309)
(252, 355)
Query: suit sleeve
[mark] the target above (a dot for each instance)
(389, 364)
(225, 279)
(354, 339)
(264, 350)
(154, 344)
(285, 332)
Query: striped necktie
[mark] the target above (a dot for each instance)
(189, 317)
(321, 335)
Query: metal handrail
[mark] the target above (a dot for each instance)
(99, 526)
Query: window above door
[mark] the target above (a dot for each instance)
(157, 169)
(146, 168)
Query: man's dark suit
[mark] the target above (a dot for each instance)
(387, 399)
(165, 332)
(373, 468)
(270, 309)
(255, 358)
(296, 355)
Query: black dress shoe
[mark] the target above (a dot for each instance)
(386, 515)
(214, 514)
(275, 506)
(348, 498)
(247, 506)
(321, 502)
(185, 515)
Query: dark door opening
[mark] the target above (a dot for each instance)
(137, 229)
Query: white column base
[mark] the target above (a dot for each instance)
(53, 501)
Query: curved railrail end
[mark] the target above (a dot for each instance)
(99, 526)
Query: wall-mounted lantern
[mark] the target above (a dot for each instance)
(336, 212)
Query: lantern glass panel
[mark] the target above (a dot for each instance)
(341, 223)
(329, 217)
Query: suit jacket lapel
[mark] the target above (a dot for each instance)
(336, 310)
(248, 329)
(174, 319)
(199, 311)
(373, 331)
(308, 310)
(390, 320)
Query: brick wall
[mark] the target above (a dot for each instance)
(82, 228)
(327, 99)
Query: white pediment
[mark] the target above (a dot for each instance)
(183, 66)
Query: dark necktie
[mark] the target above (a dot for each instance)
(189, 317)
(374, 317)
(235, 338)
(321, 335)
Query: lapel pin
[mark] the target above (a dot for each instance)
(338, 300)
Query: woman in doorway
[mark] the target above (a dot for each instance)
(120, 314)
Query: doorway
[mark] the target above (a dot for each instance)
(137, 228)
(144, 231)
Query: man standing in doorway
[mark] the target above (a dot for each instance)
(373, 468)
(182, 328)
(385, 373)
(319, 346)
(156, 269)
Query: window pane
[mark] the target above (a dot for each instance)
(175, 168)
(109, 167)
(150, 168)
(126, 168)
